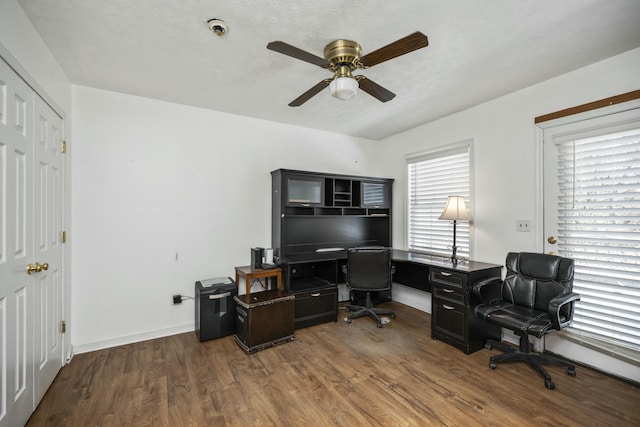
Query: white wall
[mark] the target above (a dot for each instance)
(506, 172)
(153, 178)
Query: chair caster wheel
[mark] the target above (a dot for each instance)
(488, 346)
(393, 316)
(493, 365)
(379, 324)
(571, 372)
(549, 384)
(348, 320)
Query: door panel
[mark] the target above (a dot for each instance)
(48, 249)
(16, 248)
(598, 126)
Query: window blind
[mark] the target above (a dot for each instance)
(599, 227)
(431, 178)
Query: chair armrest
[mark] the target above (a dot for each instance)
(488, 290)
(555, 307)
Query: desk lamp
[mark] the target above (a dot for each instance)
(455, 210)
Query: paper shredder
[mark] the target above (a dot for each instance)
(215, 308)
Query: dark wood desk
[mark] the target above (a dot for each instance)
(450, 285)
(452, 299)
(410, 268)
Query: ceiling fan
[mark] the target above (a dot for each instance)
(342, 57)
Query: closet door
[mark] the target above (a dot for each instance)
(31, 212)
(16, 248)
(47, 247)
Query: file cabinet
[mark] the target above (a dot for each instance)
(264, 319)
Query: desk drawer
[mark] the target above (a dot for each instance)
(449, 293)
(316, 306)
(448, 278)
(449, 319)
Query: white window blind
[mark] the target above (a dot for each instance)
(431, 178)
(599, 227)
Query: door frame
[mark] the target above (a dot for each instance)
(562, 343)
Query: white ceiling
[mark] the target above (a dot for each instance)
(478, 50)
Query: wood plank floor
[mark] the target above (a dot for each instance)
(332, 374)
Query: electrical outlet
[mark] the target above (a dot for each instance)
(176, 298)
(523, 225)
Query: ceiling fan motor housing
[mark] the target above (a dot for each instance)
(343, 52)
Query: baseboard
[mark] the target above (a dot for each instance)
(79, 348)
(69, 355)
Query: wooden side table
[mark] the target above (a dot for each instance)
(249, 274)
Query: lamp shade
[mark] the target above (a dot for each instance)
(343, 87)
(455, 209)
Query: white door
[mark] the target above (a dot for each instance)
(16, 248)
(47, 221)
(592, 211)
(31, 209)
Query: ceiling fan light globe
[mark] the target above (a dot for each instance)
(343, 87)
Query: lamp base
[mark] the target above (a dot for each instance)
(454, 258)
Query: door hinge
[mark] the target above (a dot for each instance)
(63, 147)
(63, 327)
(63, 238)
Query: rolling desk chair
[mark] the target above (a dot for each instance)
(368, 269)
(535, 298)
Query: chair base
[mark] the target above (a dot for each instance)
(368, 310)
(524, 354)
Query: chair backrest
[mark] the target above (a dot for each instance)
(369, 268)
(533, 279)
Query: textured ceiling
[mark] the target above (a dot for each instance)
(478, 50)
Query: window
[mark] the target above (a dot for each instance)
(431, 178)
(599, 227)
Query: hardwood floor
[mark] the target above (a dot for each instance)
(332, 374)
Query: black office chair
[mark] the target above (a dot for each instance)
(535, 298)
(369, 270)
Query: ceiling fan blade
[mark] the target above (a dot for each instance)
(310, 93)
(294, 52)
(375, 90)
(400, 47)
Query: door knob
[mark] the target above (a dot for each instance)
(552, 240)
(37, 268)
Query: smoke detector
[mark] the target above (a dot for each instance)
(217, 26)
